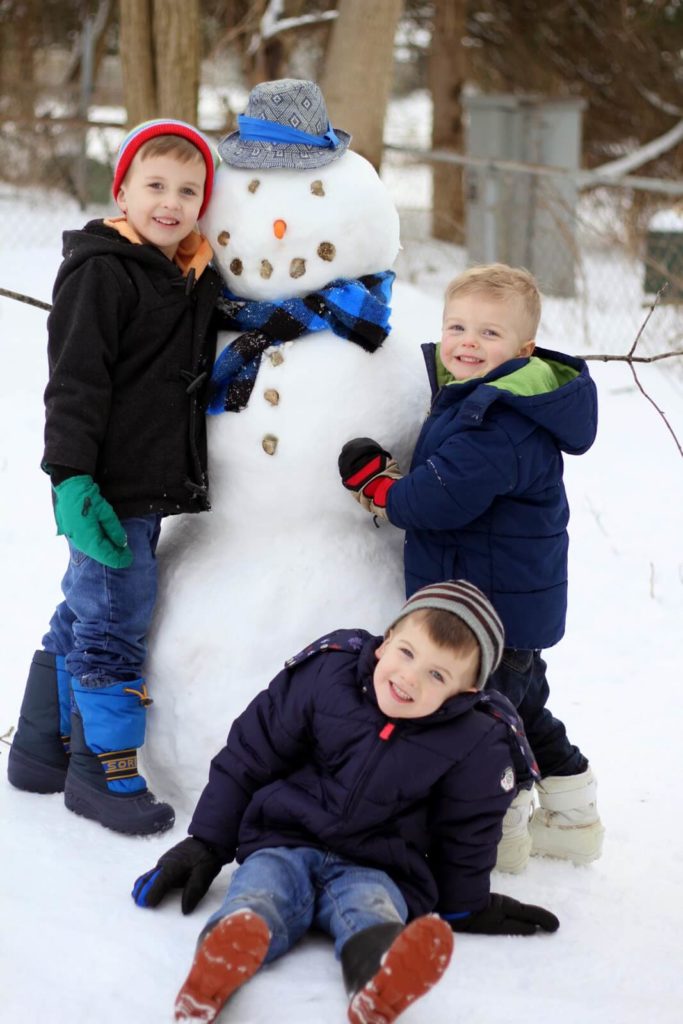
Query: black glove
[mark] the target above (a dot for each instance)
(505, 916)
(369, 472)
(191, 866)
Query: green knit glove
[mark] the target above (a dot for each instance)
(90, 523)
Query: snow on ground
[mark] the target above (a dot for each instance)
(74, 948)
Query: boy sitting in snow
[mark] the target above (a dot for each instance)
(365, 788)
(132, 336)
(485, 500)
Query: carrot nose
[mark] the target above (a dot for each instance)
(279, 228)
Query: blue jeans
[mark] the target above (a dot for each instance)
(521, 678)
(101, 625)
(295, 889)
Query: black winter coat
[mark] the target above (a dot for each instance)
(314, 762)
(131, 344)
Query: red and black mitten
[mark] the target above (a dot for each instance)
(369, 472)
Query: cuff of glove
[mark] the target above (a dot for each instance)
(378, 489)
(221, 853)
(58, 474)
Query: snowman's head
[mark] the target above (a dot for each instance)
(277, 233)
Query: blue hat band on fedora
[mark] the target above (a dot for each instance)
(285, 125)
(258, 129)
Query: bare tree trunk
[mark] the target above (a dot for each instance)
(359, 69)
(137, 62)
(176, 58)
(19, 35)
(160, 44)
(447, 66)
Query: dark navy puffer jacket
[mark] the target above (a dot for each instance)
(485, 500)
(314, 762)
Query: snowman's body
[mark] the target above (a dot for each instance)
(286, 553)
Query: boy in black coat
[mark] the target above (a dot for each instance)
(365, 788)
(132, 337)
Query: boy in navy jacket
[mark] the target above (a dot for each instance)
(365, 788)
(485, 500)
(131, 342)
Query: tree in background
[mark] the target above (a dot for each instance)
(359, 69)
(447, 74)
(624, 59)
(160, 58)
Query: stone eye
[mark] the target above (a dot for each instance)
(223, 238)
(317, 188)
(327, 251)
(253, 184)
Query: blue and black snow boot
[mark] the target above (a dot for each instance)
(103, 782)
(39, 755)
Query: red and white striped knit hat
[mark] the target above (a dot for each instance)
(151, 130)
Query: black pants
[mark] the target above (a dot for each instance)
(521, 678)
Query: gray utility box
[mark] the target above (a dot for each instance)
(516, 217)
(664, 255)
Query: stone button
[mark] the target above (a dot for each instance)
(269, 444)
(272, 396)
(277, 357)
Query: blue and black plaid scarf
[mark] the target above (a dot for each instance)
(357, 310)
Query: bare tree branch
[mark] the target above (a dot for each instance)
(628, 357)
(654, 404)
(25, 298)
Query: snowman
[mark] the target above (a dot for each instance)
(304, 233)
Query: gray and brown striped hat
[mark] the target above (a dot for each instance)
(467, 602)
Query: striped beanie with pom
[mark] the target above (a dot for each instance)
(151, 130)
(471, 606)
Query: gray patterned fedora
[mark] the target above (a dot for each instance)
(285, 125)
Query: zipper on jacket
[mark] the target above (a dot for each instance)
(384, 734)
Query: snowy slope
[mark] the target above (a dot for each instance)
(74, 948)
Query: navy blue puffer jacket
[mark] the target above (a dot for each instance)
(314, 762)
(485, 500)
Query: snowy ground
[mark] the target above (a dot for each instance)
(74, 948)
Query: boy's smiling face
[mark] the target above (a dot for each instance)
(481, 332)
(161, 197)
(414, 676)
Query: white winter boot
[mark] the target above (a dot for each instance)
(515, 843)
(567, 824)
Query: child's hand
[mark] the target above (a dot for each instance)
(90, 523)
(190, 865)
(369, 472)
(505, 916)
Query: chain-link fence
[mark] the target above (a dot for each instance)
(601, 251)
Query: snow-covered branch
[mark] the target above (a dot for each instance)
(272, 24)
(650, 151)
(656, 101)
(271, 27)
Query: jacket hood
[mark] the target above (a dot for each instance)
(98, 239)
(552, 389)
